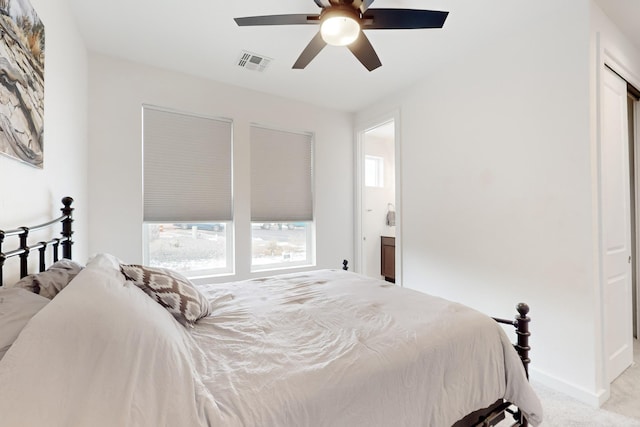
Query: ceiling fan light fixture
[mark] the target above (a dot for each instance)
(339, 30)
(342, 23)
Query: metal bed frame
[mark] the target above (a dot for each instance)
(25, 247)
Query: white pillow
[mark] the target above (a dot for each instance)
(107, 263)
(17, 307)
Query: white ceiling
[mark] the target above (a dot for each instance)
(626, 15)
(199, 37)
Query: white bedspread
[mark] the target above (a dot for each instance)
(332, 348)
(328, 348)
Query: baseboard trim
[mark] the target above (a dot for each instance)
(590, 397)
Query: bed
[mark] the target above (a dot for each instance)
(322, 348)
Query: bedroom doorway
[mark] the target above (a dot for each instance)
(377, 218)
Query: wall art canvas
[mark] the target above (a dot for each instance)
(21, 82)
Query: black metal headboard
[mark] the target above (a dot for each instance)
(24, 248)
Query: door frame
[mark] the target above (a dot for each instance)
(361, 128)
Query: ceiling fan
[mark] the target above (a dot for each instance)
(341, 24)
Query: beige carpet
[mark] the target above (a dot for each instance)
(621, 410)
(625, 390)
(561, 410)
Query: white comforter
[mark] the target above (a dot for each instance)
(102, 354)
(327, 348)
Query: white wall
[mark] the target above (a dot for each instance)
(496, 194)
(117, 91)
(29, 195)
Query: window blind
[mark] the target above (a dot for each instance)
(187, 167)
(281, 176)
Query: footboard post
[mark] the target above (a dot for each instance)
(522, 332)
(67, 210)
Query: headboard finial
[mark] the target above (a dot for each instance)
(66, 201)
(523, 309)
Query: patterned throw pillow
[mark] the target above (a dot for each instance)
(51, 281)
(171, 290)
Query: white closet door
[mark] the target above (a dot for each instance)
(616, 226)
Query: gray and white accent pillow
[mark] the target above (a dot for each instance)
(171, 290)
(51, 281)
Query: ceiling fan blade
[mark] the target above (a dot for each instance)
(322, 3)
(402, 19)
(363, 50)
(365, 5)
(311, 51)
(296, 19)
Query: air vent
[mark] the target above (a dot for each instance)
(252, 61)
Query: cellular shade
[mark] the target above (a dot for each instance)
(187, 167)
(281, 176)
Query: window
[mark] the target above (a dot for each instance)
(373, 171)
(276, 245)
(281, 199)
(187, 192)
(201, 249)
